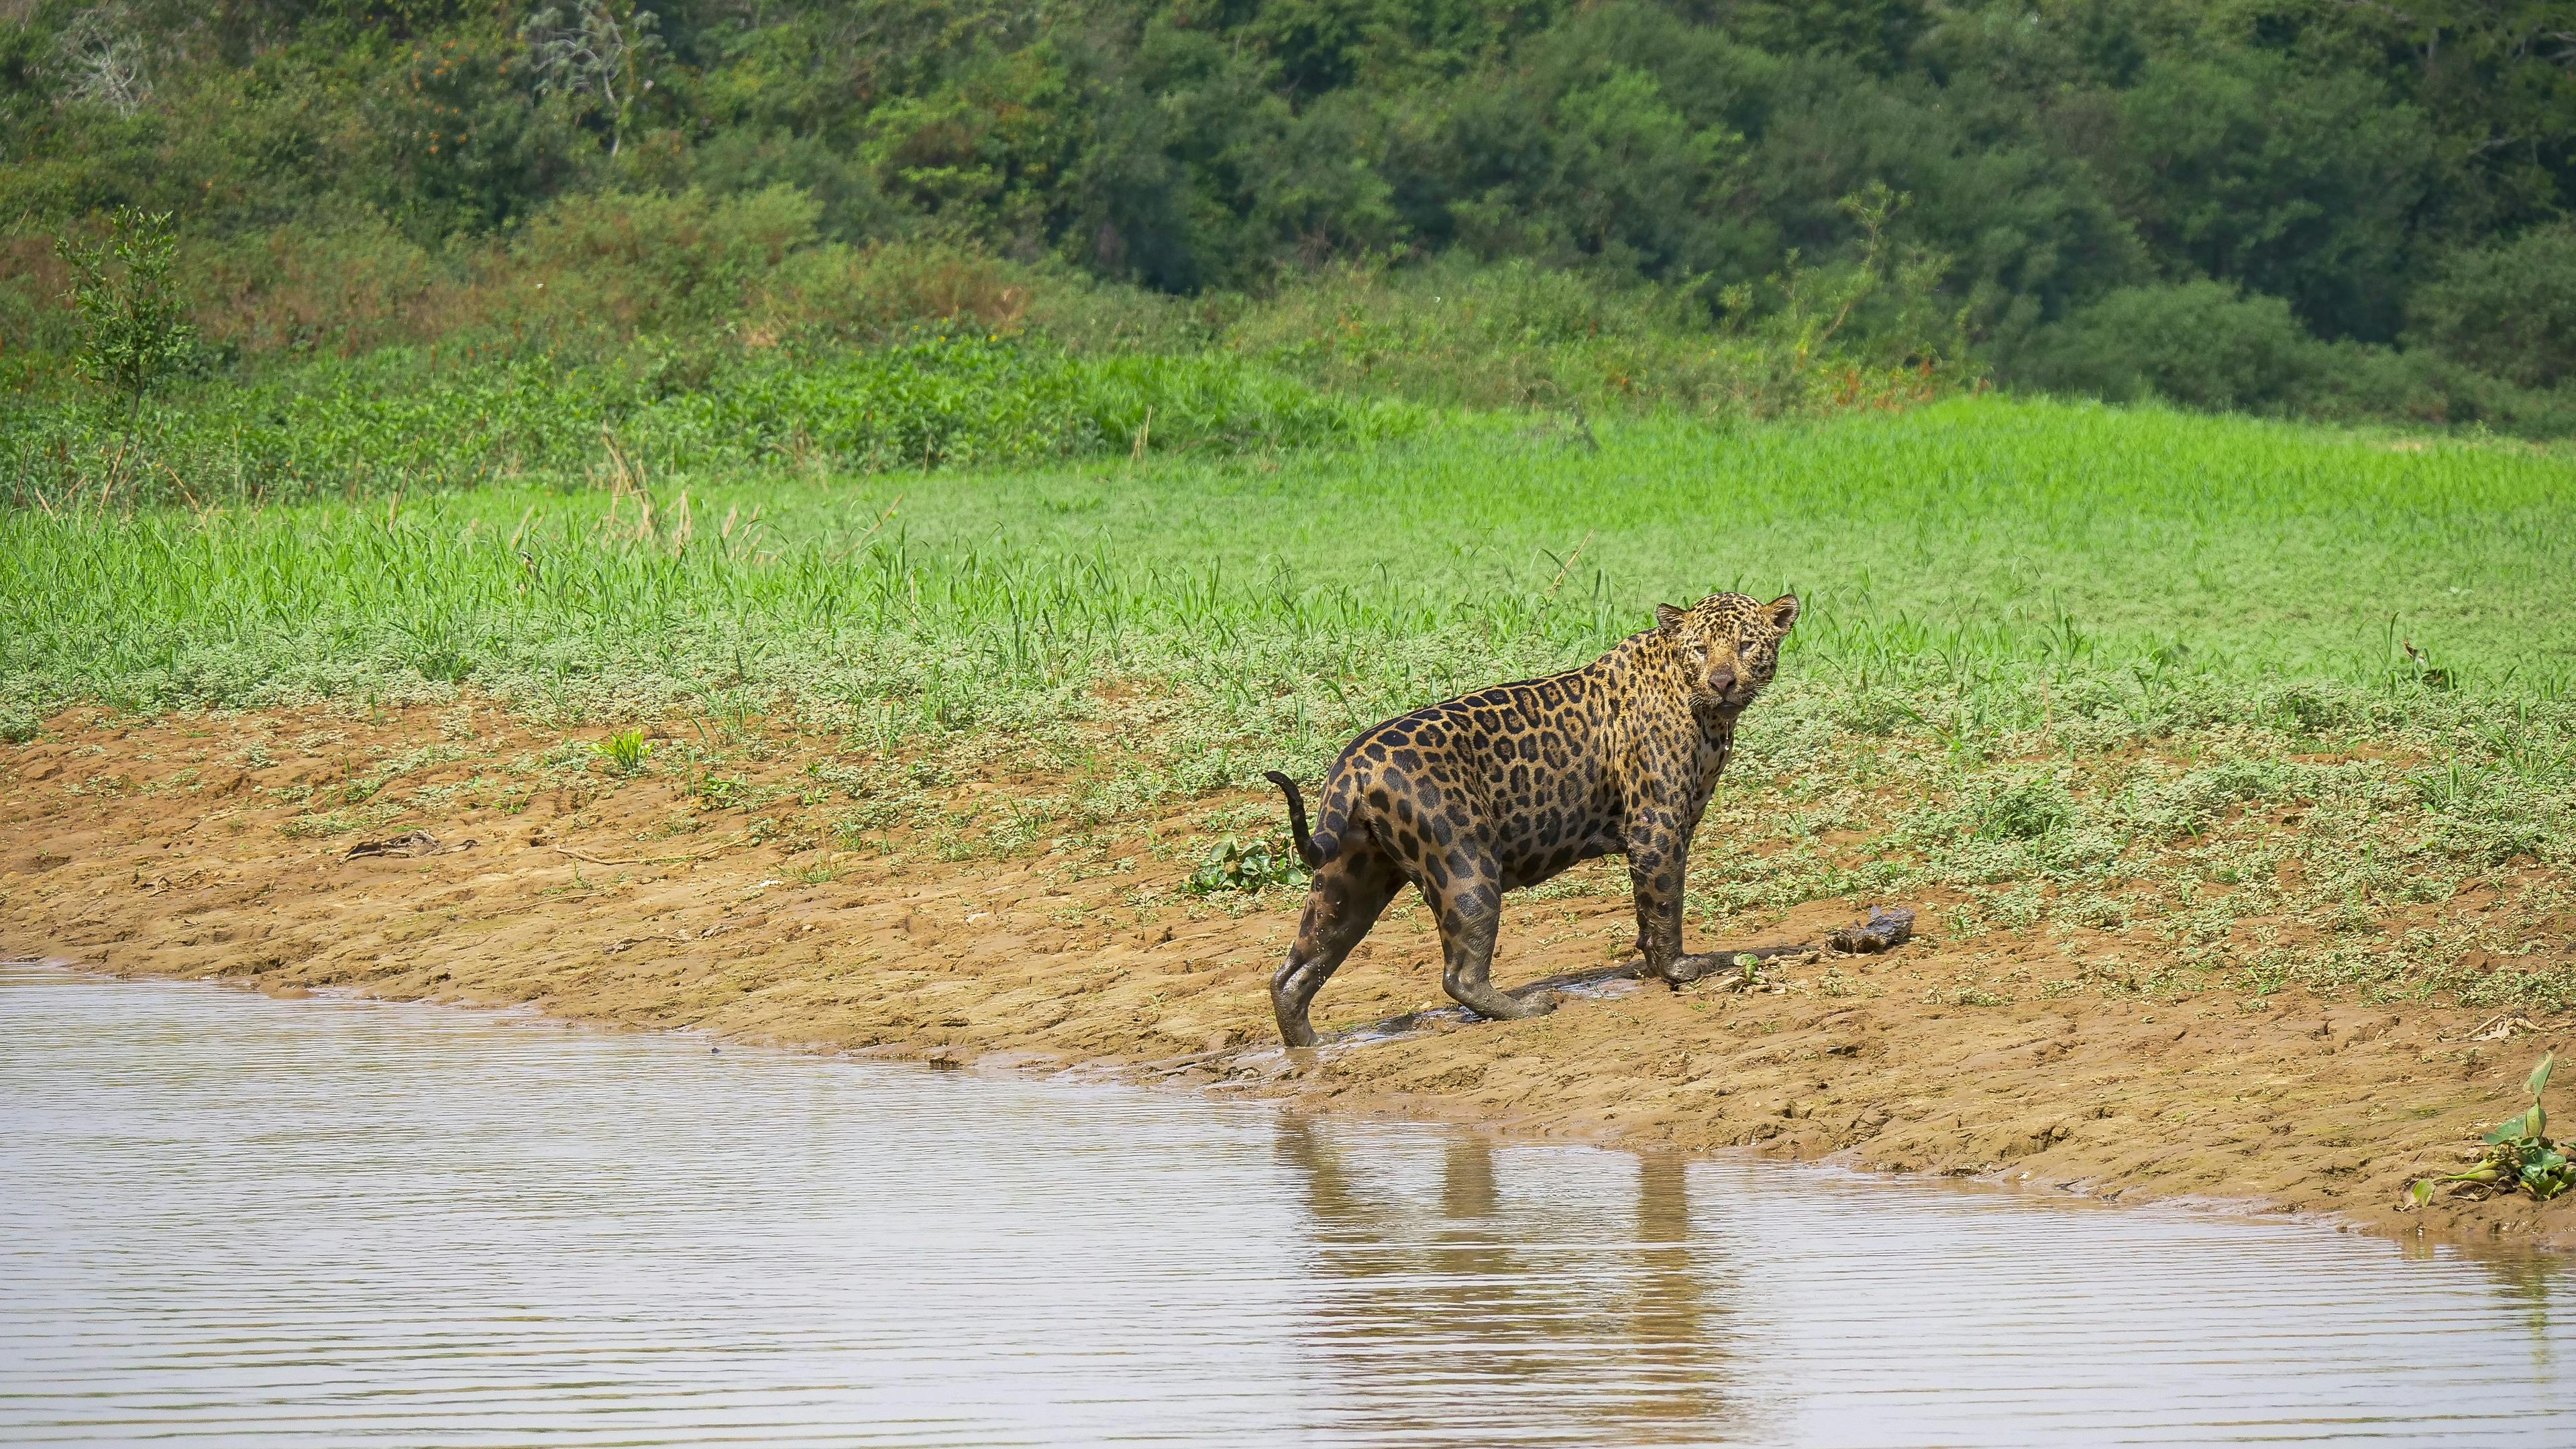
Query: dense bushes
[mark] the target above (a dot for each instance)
(2509, 309)
(2204, 345)
(389, 421)
(2199, 343)
(699, 331)
(588, 273)
(2327, 154)
(1710, 187)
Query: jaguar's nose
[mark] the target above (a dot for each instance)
(1721, 680)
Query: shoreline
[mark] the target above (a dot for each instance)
(168, 847)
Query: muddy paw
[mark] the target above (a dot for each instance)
(1687, 969)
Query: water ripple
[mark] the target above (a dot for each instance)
(225, 1219)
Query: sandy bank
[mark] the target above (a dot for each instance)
(219, 847)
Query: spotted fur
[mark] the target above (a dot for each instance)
(1506, 787)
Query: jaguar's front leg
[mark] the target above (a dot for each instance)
(1658, 861)
(1658, 867)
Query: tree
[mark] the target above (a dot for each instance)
(135, 333)
(101, 58)
(2508, 309)
(592, 53)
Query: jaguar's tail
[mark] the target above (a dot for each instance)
(1307, 850)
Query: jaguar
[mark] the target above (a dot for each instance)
(1509, 786)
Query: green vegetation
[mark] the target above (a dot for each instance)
(624, 752)
(2519, 1155)
(392, 212)
(914, 358)
(380, 425)
(133, 331)
(1237, 865)
(2145, 701)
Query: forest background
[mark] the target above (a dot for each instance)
(1219, 221)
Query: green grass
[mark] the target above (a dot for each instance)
(399, 420)
(1974, 548)
(2134, 676)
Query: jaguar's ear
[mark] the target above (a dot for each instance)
(1784, 612)
(1669, 619)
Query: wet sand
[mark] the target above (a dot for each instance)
(169, 847)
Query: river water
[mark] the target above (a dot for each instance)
(228, 1219)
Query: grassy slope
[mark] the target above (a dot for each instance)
(2129, 674)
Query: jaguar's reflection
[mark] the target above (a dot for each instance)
(1551, 1318)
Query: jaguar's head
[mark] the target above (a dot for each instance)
(1730, 643)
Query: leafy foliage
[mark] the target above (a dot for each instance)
(2353, 175)
(2201, 343)
(2508, 309)
(134, 329)
(624, 752)
(594, 54)
(938, 399)
(1238, 865)
(2519, 1157)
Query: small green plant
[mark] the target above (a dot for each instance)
(625, 751)
(2519, 1155)
(1247, 866)
(2024, 810)
(135, 332)
(722, 792)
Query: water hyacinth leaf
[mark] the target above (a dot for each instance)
(2545, 1173)
(2422, 1191)
(2518, 1155)
(1240, 866)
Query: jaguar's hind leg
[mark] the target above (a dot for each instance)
(1470, 904)
(1348, 894)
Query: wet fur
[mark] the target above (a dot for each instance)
(1507, 787)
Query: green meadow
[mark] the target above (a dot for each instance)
(1966, 553)
(2225, 701)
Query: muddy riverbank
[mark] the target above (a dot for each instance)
(220, 846)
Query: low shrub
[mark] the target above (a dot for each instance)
(390, 420)
(2199, 343)
(2507, 310)
(2202, 345)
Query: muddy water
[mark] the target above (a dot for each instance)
(226, 1219)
